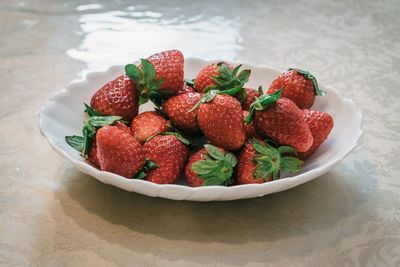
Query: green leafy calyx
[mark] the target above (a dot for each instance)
(228, 79)
(91, 111)
(270, 160)
(311, 77)
(75, 141)
(262, 103)
(189, 82)
(146, 83)
(228, 82)
(260, 90)
(149, 165)
(210, 95)
(216, 168)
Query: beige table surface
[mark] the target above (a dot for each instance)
(52, 215)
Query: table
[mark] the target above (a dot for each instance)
(52, 215)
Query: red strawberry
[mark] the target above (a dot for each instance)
(259, 162)
(221, 121)
(169, 154)
(250, 95)
(284, 123)
(298, 85)
(119, 152)
(249, 128)
(320, 124)
(220, 76)
(118, 97)
(178, 110)
(169, 67)
(281, 120)
(210, 166)
(147, 124)
(92, 157)
(186, 89)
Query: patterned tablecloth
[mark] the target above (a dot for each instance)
(52, 215)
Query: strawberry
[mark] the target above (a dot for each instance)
(249, 98)
(92, 157)
(118, 97)
(299, 86)
(320, 124)
(259, 162)
(147, 124)
(220, 76)
(177, 109)
(159, 76)
(119, 152)
(221, 120)
(210, 166)
(249, 128)
(281, 120)
(169, 154)
(95, 121)
(169, 67)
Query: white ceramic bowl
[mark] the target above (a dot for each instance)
(63, 115)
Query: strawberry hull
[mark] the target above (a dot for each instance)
(210, 165)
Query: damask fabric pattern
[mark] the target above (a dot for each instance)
(52, 215)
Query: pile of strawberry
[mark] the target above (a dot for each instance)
(211, 128)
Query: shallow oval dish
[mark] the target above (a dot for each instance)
(63, 115)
